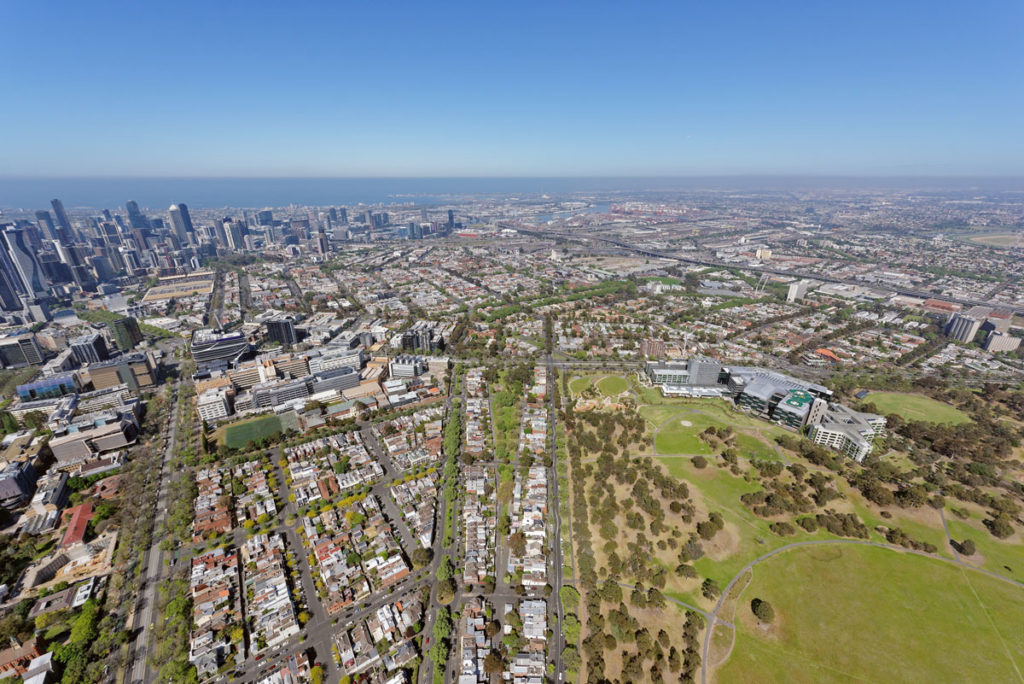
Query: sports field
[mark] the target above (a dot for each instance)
(917, 407)
(578, 385)
(612, 385)
(239, 435)
(998, 239)
(858, 613)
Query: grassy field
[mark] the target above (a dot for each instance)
(850, 613)
(612, 385)
(676, 437)
(917, 407)
(996, 239)
(10, 379)
(578, 385)
(239, 435)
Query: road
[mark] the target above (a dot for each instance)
(433, 605)
(139, 671)
(714, 619)
(556, 561)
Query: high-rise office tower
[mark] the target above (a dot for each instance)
(451, 218)
(46, 224)
(136, 219)
(233, 232)
(181, 221)
(70, 255)
(343, 215)
(265, 218)
(9, 287)
(89, 348)
(283, 330)
(110, 234)
(67, 236)
(27, 270)
(220, 233)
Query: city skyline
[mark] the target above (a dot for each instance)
(527, 91)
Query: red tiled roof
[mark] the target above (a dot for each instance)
(79, 518)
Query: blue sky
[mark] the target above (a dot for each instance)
(498, 89)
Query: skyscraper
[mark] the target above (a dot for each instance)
(66, 235)
(451, 218)
(29, 274)
(9, 287)
(135, 217)
(46, 225)
(181, 222)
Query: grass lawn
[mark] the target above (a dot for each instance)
(1001, 556)
(675, 437)
(240, 434)
(917, 407)
(10, 379)
(612, 385)
(578, 385)
(679, 435)
(851, 613)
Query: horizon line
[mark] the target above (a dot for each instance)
(514, 177)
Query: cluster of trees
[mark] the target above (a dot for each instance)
(446, 585)
(839, 524)
(895, 535)
(816, 454)
(780, 497)
(92, 638)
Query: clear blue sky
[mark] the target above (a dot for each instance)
(478, 89)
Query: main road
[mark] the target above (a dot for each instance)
(139, 671)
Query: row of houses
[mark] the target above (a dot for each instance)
(216, 611)
(478, 520)
(269, 607)
(417, 500)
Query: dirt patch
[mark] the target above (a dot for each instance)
(686, 423)
(976, 560)
(723, 544)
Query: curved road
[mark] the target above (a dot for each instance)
(819, 542)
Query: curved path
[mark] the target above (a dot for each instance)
(818, 542)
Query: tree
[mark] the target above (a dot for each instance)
(34, 419)
(316, 675)
(445, 571)
(517, 544)
(966, 548)
(763, 610)
(8, 423)
(84, 629)
(493, 664)
(303, 617)
(709, 588)
(421, 558)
